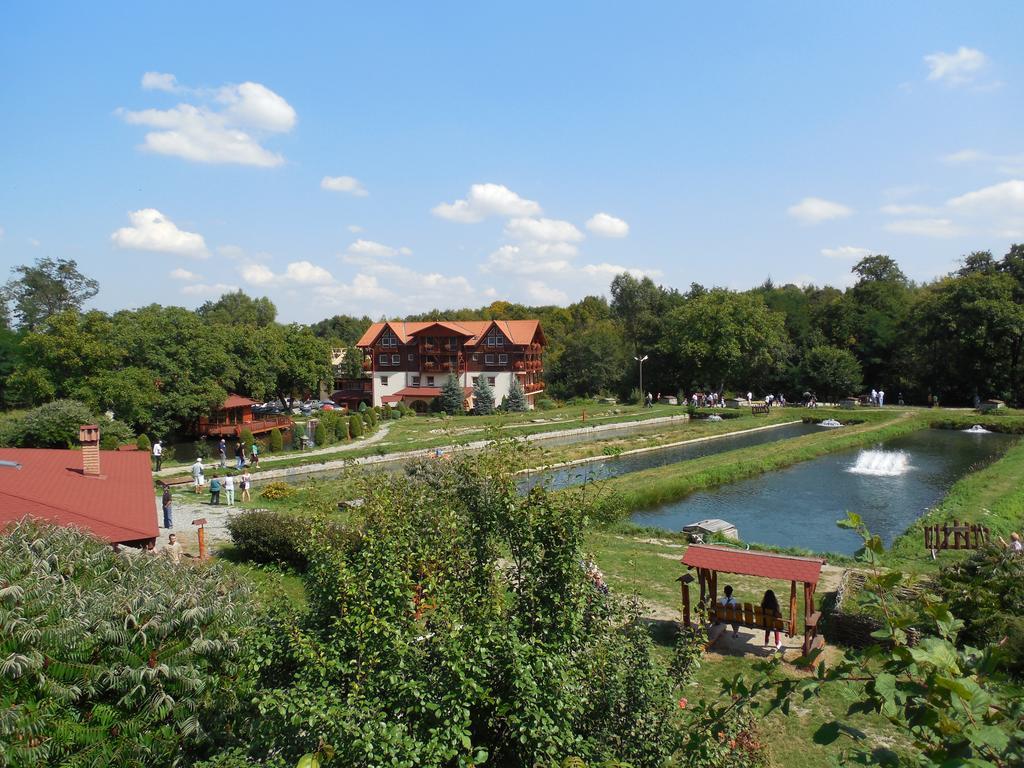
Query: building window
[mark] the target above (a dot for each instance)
(412, 357)
(382, 359)
(476, 380)
(396, 359)
(415, 381)
(430, 381)
(490, 380)
(488, 359)
(383, 381)
(495, 340)
(475, 357)
(502, 359)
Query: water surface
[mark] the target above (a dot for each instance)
(798, 506)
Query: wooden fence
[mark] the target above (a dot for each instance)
(955, 536)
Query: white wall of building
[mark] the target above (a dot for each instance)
(396, 380)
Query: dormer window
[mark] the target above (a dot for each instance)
(495, 339)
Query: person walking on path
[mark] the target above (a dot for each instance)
(158, 455)
(254, 456)
(229, 488)
(215, 491)
(166, 503)
(246, 485)
(197, 475)
(222, 448)
(239, 455)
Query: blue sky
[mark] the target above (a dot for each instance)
(385, 159)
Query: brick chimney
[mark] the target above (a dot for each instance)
(89, 437)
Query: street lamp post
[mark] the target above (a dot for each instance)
(643, 397)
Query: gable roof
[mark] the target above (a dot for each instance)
(118, 506)
(237, 401)
(516, 331)
(749, 563)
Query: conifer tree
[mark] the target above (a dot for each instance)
(516, 400)
(451, 396)
(483, 397)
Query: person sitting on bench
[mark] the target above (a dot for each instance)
(729, 600)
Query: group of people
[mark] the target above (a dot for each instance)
(218, 484)
(877, 397)
(222, 452)
(769, 606)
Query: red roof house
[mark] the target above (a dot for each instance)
(108, 493)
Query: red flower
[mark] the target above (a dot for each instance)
(682, 703)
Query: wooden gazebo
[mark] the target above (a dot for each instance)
(710, 560)
(234, 415)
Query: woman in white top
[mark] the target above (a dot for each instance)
(246, 485)
(229, 488)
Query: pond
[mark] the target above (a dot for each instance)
(614, 466)
(889, 485)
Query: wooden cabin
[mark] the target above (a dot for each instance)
(235, 414)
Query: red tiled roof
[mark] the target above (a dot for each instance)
(237, 401)
(748, 563)
(423, 392)
(516, 331)
(119, 505)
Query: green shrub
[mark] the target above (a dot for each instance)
(114, 659)
(483, 397)
(370, 418)
(355, 426)
(263, 536)
(277, 491)
(545, 404)
(515, 400)
(635, 396)
(276, 441)
(53, 425)
(143, 444)
(362, 407)
(247, 438)
(320, 435)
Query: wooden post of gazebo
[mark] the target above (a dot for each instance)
(684, 588)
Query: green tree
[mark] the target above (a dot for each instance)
(355, 426)
(515, 402)
(276, 442)
(483, 397)
(113, 660)
(238, 308)
(878, 304)
(320, 434)
(452, 397)
(723, 339)
(831, 372)
(46, 288)
(595, 359)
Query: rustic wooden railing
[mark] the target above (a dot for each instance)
(955, 536)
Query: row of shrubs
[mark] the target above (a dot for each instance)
(281, 538)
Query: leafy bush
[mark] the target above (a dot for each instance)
(114, 433)
(635, 396)
(370, 418)
(143, 444)
(277, 491)
(247, 437)
(320, 435)
(545, 404)
(276, 441)
(113, 659)
(477, 595)
(263, 536)
(355, 425)
(52, 425)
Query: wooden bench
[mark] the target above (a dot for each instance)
(760, 410)
(748, 615)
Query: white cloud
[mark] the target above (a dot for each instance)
(367, 251)
(910, 209)
(608, 271)
(355, 229)
(257, 274)
(348, 184)
(530, 259)
(184, 274)
(406, 289)
(152, 231)
(963, 157)
(955, 68)
(543, 230)
(201, 289)
(307, 273)
(33, 242)
(1007, 196)
(230, 251)
(205, 134)
(941, 228)
(606, 225)
(1011, 165)
(812, 210)
(845, 252)
(545, 294)
(486, 200)
(160, 81)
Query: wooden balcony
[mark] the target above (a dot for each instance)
(256, 426)
(537, 386)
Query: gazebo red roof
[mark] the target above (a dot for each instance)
(237, 401)
(748, 563)
(119, 505)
